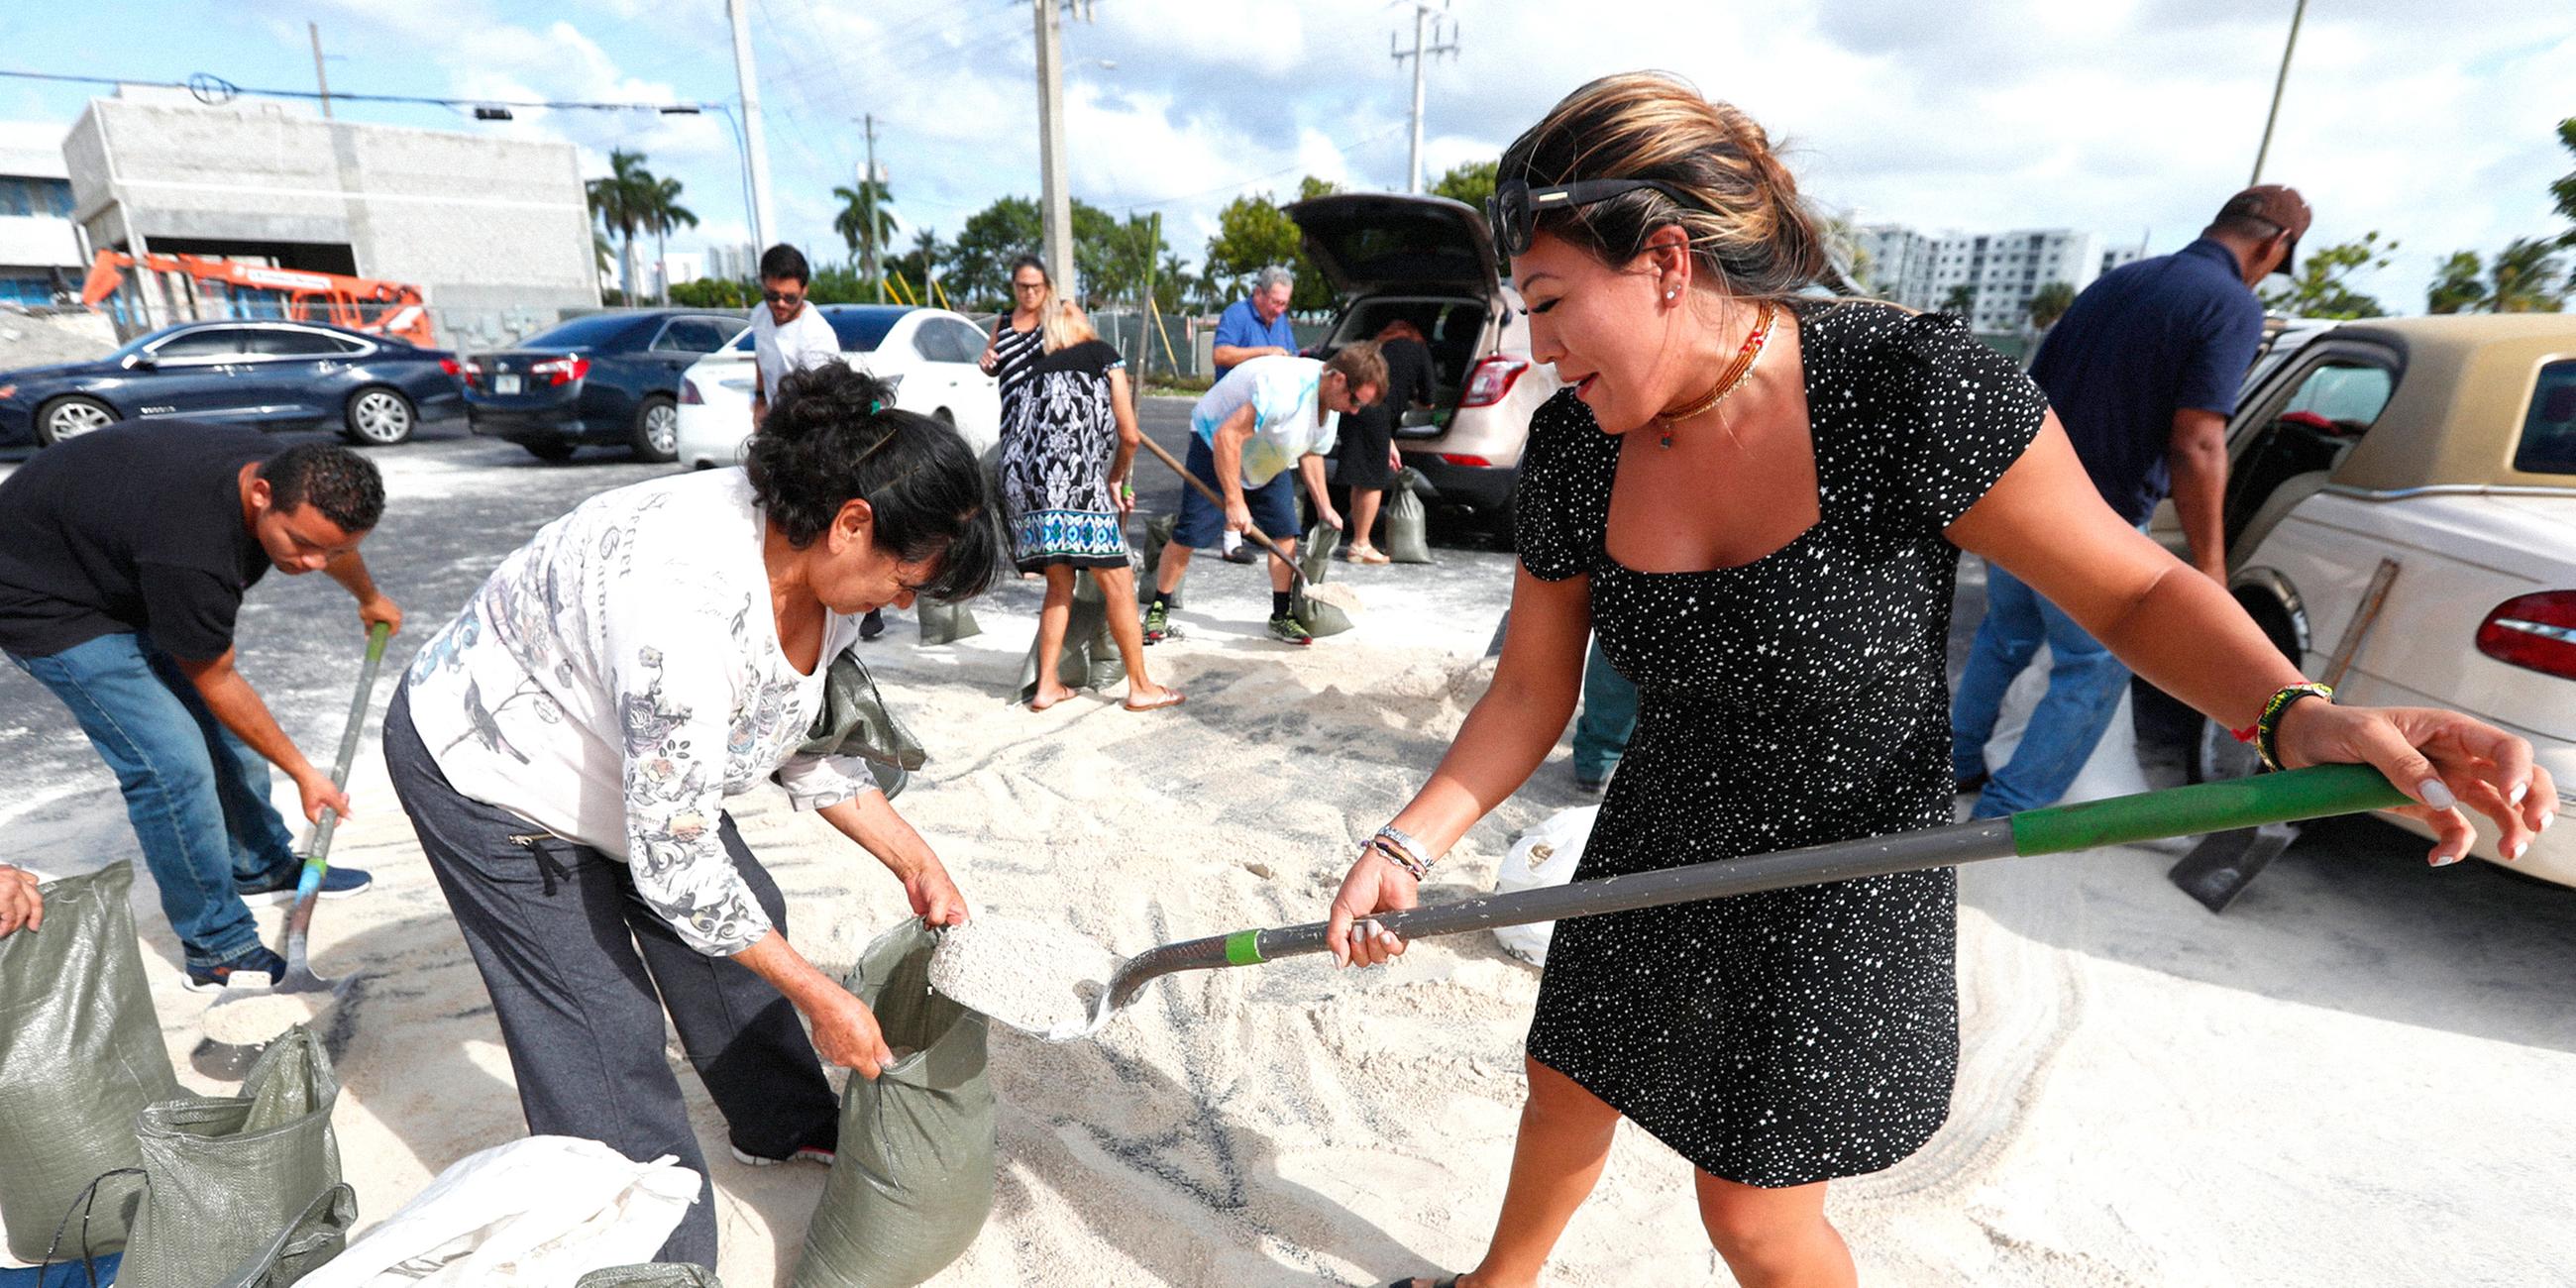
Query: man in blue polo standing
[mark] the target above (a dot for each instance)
(1255, 326)
(2143, 371)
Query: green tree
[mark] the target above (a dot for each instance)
(2050, 302)
(1253, 232)
(979, 276)
(712, 293)
(866, 217)
(2564, 189)
(2322, 286)
(664, 214)
(2526, 277)
(921, 265)
(2458, 285)
(1961, 299)
(1470, 183)
(618, 203)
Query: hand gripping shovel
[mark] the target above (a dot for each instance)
(308, 888)
(2147, 816)
(1268, 542)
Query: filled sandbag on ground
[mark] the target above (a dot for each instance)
(649, 1276)
(1408, 526)
(913, 1181)
(80, 1055)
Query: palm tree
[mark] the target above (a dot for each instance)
(2458, 286)
(2050, 302)
(619, 202)
(867, 215)
(663, 214)
(2524, 278)
(1960, 300)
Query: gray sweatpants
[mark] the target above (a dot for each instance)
(574, 959)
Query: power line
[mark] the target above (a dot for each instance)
(215, 91)
(1351, 146)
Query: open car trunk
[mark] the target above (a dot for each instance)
(1425, 260)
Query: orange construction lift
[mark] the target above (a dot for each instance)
(358, 303)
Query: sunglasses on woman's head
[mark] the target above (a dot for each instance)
(1515, 208)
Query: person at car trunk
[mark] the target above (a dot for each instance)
(2143, 371)
(124, 557)
(1273, 416)
(1367, 452)
(1778, 581)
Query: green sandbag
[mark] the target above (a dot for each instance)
(1408, 525)
(1158, 534)
(1090, 657)
(225, 1176)
(944, 623)
(1315, 558)
(80, 1055)
(650, 1275)
(913, 1180)
(1315, 562)
(855, 721)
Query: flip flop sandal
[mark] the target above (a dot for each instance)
(1410, 1280)
(1035, 706)
(1170, 698)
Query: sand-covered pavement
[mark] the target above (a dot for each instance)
(2359, 1075)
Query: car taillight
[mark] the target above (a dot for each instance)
(451, 366)
(689, 394)
(561, 371)
(1471, 462)
(471, 369)
(1492, 380)
(2537, 632)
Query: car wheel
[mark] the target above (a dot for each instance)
(553, 450)
(657, 430)
(378, 417)
(72, 417)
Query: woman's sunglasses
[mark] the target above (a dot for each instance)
(1515, 208)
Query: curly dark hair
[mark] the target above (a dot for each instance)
(833, 436)
(343, 485)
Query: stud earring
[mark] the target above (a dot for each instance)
(1671, 292)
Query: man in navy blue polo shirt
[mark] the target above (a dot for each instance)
(1256, 326)
(2143, 371)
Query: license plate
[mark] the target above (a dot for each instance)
(505, 384)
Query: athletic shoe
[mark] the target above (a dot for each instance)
(337, 883)
(1158, 623)
(1590, 786)
(1286, 630)
(210, 978)
(805, 1154)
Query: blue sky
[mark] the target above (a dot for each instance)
(2132, 118)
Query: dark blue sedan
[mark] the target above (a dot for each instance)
(610, 379)
(276, 375)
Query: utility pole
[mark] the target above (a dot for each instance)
(315, 30)
(1422, 17)
(764, 222)
(1056, 201)
(868, 208)
(2278, 84)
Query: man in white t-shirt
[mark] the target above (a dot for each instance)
(787, 334)
(1270, 418)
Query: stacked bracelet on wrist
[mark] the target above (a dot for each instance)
(2265, 732)
(1403, 851)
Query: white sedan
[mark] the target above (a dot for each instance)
(927, 354)
(2401, 519)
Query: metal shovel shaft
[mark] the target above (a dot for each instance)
(2181, 811)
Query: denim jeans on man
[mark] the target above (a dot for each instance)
(197, 795)
(1608, 720)
(2084, 686)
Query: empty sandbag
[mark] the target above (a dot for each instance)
(650, 1276)
(80, 1055)
(913, 1180)
(226, 1176)
(944, 623)
(1408, 525)
(855, 721)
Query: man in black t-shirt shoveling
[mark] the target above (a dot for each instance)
(124, 555)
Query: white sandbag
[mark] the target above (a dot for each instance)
(1545, 855)
(536, 1212)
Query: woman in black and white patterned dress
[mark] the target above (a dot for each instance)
(1757, 500)
(1019, 338)
(1068, 443)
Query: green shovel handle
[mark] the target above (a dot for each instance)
(2285, 797)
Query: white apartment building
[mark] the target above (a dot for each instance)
(1999, 271)
(40, 249)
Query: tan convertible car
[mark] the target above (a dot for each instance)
(2401, 518)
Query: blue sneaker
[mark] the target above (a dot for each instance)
(337, 883)
(207, 979)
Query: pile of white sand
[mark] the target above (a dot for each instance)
(1034, 977)
(246, 1013)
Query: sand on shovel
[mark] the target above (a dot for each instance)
(1339, 596)
(1037, 978)
(246, 1013)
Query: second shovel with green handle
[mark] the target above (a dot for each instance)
(2147, 816)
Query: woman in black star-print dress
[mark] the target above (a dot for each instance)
(1757, 500)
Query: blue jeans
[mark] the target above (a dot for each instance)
(1609, 717)
(197, 795)
(2084, 686)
